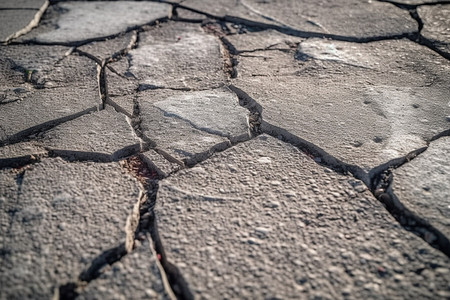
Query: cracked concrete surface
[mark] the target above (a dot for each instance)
(224, 149)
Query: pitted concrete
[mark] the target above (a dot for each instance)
(224, 149)
(61, 222)
(263, 216)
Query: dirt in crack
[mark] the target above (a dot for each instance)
(147, 224)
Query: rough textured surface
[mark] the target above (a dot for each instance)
(340, 18)
(109, 109)
(174, 136)
(61, 222)
(136, 276)
(436, 25)
(187, 56)
(262, 215)
(359, 102)
(421, 185)
(50, 88)
(81, 21)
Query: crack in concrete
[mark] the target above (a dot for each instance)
(378, 180)
(33, 23)
(26, 134)
(173, 281)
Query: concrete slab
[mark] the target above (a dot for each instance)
(339, 18)
(66, 215)
(175, 138)
(262, 220)
(436, 25)
(75, 22)
(362, 103)
(55, 89)
(101, 136)
(421, 185)
(220, 112)
(188, 57)
(136, 276)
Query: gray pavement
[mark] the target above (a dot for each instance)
(224, 149)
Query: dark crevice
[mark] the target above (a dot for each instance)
(70, 291)
(381, 179)
(80, 156)
(441, 134)
(376, 174)
(24, 135)
(147, 224)
(21, 161)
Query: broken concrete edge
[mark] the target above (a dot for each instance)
(33, 23)
(412, 222)
(79, 43)
(24, 134)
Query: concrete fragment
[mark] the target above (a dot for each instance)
(262, 220)
(436, 26)
(220, 112)
(175, 138)
(188, 57)
(421, 185)
(19, 17)
(53, 89)
(66, 215)
(172, 120)
(75, 22)
(341, 18)
(100, 136)
(136, 276)
(362, 103)
(158, 163)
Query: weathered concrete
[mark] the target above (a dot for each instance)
(341, 18)
(436, 25)
(123, 87)
(421, 185)
(188, 57)
(66, 215)
(334, 94)
(136, 276)
(175, 137)
(74, 22)
(100, 136)
(52, 89)
(19, 17)
(262, 215)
